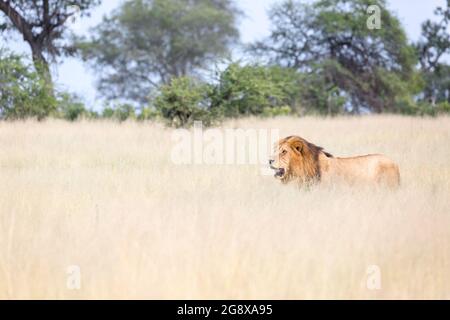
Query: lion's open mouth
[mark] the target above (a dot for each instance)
(279, 172)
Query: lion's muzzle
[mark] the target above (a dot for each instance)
(279, 172)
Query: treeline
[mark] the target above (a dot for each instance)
(171, 60)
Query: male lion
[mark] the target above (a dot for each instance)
(297, 159)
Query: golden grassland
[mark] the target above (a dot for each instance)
(105, 197)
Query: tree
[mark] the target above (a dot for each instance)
(435, 40)
(433, 45)
(42, 24)
(330, 39)
(148, 42)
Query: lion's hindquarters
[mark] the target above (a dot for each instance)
(387, 172)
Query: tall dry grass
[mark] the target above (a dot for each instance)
(106, 197)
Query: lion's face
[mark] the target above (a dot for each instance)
(287, 152)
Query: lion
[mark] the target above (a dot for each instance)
(297, 159)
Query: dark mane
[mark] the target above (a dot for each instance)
(316, 149)
(329, 155)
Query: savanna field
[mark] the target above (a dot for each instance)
(106, 197)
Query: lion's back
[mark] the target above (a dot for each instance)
(372, 167)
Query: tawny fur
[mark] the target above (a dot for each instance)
(307, 164)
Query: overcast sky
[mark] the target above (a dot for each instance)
(74, 76)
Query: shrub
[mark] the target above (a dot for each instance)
(23, 94)
(148, 113)
(108, 113)
(423, 108)
(120, 112)
(91, 114)
(123, 112)
(278, 111)
(70, 107)
(254, 89)
(184, 101)
(443, 107)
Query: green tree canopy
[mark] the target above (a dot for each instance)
(432, 47)
(148, 42)
(43, 26)
(330, 39)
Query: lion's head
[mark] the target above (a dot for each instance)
(296, 158)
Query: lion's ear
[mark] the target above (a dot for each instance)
(298, 147)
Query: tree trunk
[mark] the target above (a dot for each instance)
(42, 67)
(40, 63)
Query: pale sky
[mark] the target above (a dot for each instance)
(76, 77)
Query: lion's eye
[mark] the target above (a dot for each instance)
(283, 152)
